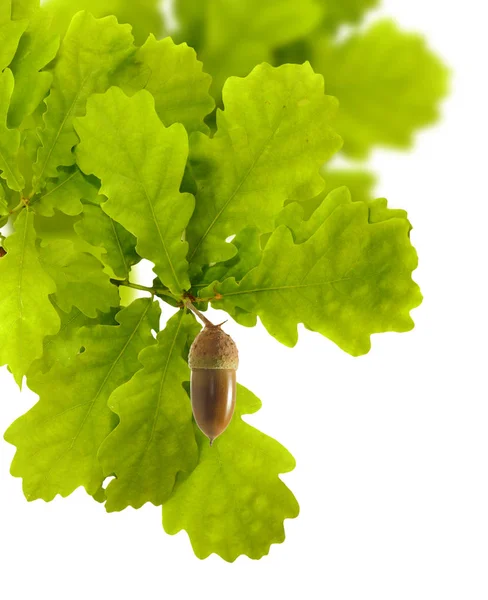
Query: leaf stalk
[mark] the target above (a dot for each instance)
(24, 203)
(135, 286)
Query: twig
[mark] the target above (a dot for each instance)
(135, 286)
(22, 204)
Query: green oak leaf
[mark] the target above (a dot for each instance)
(90, 53)
(65, 194)
(359, 182)
(4, 211)
(24, 9)
(141, 164)
(119, 246)
(234, 502)
(62, 227)
(79, 277)
(250, 244)
(293, 215)
(338, 12)
(238, 35)
(154, 439)
(26, 313)
(190, 16)
(388, 82)
(272, 139)
(5, 12)
(9, 138)
(99, 496)
(145, 16)
(350, 279)
(248, 255)
(379, 211)
(176, 80)
(63, 347)
(37, 47)
(58, 439)
(4, 208)
(10, 33)
(29, 144)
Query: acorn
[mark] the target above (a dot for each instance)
(213, 361)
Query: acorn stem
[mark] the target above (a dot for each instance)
(198, 314)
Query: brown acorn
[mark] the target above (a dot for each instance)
(213, 361)
(2, 252)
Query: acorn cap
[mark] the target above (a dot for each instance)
(213, 349)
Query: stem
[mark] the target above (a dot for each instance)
(22, 204)
(198, 314)
(134, 286)
(143, 288)
(165, 292)
(184, 302)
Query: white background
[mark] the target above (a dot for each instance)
(392, 448)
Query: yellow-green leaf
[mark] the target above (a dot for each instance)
(79, 277)
(388, 82)
(234, 502)
(141, 164)
(65, 194)
(10, 33)
(9, 138)
(175, 79)
(144, 16)
(272, 139)
(338, 12)
(58, 439)
(98, 229)
(154, 439)
(26, 313)
(90, 53)
(37, 47)
(350, 278)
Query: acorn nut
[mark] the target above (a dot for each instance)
(213, 361)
